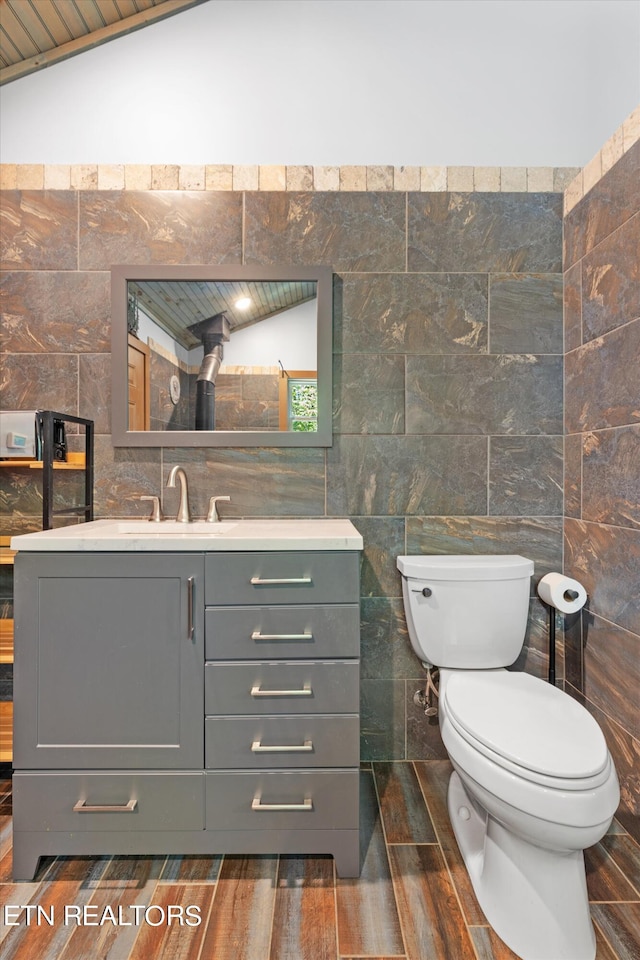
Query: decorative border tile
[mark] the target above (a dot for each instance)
(615, 147)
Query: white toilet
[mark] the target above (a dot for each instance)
(533, 781)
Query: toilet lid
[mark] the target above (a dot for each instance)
(528, 721)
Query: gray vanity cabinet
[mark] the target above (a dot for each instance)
(186, 702)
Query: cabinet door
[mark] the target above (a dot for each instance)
(109, 661)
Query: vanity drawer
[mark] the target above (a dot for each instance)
(269, 742)
(237, 633)
(266, 578)
(120, 802)
(283, 687)
(298, 800)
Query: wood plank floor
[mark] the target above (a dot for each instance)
(413, 900)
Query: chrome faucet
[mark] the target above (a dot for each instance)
(213, 515)
(182, 515)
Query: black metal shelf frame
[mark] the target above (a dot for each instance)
(47, 418)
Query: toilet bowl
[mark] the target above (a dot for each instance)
(533, 782)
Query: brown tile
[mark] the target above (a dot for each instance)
(351, 231)
(36, 381)
(525, 476)
(368, 394)
(385, 648)
(620, 924)
(514, 394)
(412, 314)
(367, 917)
(606, 207)
(191, 868)
(382, 719)
(526, 313)
(606, 560)
(422, 884)
(605, 882)
(612, 671)
(404, 815)
(611, 476)
(40, 230)
(239, 927)
(485, 232)
(434, 779)
(489, 946)
(423, 733)
(94, 389)
(159, 227)
(304, 916)
(122, 475)
(573, 475)
(625, 852)
(383, 541)
(55, 312)
(174, 939)
(611, 281)
(573, 308)
(601, 381)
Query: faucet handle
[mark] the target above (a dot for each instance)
(212, 516)
(156, 510)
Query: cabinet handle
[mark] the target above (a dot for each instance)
(306, 691)
(260, 581)
(256, 635)
(83, 807)
(190, 598)
(306, 747)
(306, 805)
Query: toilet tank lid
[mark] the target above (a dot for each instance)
(465, 567)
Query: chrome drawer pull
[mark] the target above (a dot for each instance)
(305, 692)
(190, 597)
(306, 747)
(259, 581)
(306, 805)
(256, 635)
(82, 807)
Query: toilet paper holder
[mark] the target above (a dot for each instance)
(559, 593)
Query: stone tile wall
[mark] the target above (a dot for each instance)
(602, 461)
(447, 373)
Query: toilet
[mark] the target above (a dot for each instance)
(533, 782)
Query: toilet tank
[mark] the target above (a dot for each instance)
(466, 612)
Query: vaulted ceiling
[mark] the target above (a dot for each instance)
(37, 33)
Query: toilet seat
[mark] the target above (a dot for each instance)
(528, 727)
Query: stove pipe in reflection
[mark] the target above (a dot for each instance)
(213, 332)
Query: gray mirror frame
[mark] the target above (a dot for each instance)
(122, 437)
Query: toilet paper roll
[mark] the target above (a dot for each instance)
(563, 593)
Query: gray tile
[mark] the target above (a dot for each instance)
(611, 476)
(392, 476)
(424, 741)
(514, 394)
(351, 231)
(261, 481)
(601, 381)
(413, 313)
(368, 394)
(383, 541)
(525, 476)
(381, 720)
(538, 538)
(122, 476)
(386, 649)
(526, 313)
(156, 226)
(485, 232)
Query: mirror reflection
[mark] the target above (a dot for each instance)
(217, 355)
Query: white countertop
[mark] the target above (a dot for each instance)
(141, 535)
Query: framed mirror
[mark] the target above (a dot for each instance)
(208, 356)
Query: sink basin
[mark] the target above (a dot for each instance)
(146, 528)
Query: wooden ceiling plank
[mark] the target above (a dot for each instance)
(14, 28)
(166, 8)
(70, 15)
(29, 15)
